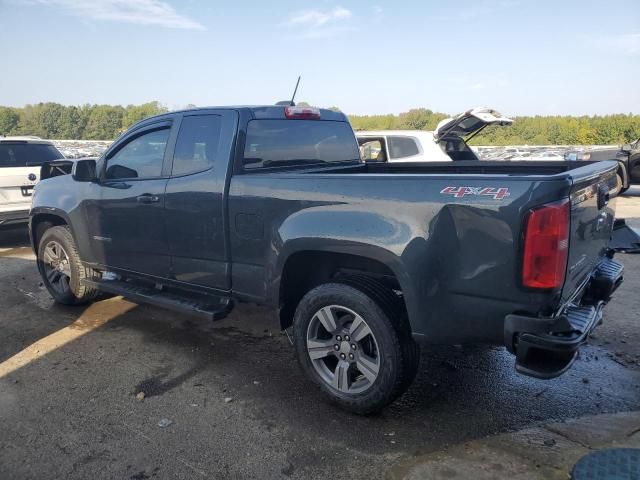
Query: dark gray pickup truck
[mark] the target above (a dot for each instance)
(198, 209)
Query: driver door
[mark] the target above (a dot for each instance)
(126, 217)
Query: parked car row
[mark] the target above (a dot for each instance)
(81, 148)
(522, 153)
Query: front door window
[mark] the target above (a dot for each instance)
(141, 157)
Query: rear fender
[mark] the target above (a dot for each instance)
(377, 261)
(347, 229)
(370, 252)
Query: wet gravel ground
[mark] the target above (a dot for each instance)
(239, 406)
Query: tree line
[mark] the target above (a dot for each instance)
(106, 122)
(537, 130)
(84, 122)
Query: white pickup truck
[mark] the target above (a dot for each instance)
(446, 143)
(20, 162)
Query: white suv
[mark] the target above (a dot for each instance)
(447, 142)
(20, 162)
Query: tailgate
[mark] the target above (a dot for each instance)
(16, 184)
(592, 215)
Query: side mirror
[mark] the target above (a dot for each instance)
(627, 147)
(85, 170)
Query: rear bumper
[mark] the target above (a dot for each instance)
(547, 347)
(14, 216)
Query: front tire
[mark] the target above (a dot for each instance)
(61, 269)
(350, 346)
(619, 188)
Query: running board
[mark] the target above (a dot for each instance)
(208, 307)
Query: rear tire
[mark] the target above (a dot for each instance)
(395, 309)
(61, 269)
(368, 370)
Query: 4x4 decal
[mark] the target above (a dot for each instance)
(459, 192)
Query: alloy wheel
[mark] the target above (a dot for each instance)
(343, 350)
(57, 268)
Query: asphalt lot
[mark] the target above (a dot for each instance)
(69, 379)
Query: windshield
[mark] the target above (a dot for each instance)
(27, 154)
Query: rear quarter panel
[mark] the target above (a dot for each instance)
(456, 259)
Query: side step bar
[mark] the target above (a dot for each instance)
(208, 307)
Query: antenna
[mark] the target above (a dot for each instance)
(291, 103)
(295, 91)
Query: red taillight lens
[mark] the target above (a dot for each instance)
(546, 245)
(302, 113)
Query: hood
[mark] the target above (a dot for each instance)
(469, 122)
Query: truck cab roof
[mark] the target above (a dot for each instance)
(275, 112)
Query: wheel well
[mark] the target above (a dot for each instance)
(306, 270)
(41, 223)
(622, 171)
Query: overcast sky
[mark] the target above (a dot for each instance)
(521, 57)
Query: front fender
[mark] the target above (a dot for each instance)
(60, 197)
(42, 213)
(623, 170)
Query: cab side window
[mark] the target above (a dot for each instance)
(141, 157)
(401, 147)
(372, 150)
(197, 144)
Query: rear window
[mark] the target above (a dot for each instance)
(27, 154)
(470, 124)
(284, 143)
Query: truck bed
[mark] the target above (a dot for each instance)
(454, 228)
(471, 167)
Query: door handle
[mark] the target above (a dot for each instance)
(148, 198)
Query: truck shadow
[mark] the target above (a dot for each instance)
(14, 237)
(28, 312)
(459, 394)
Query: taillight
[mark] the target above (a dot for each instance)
(546, 246)
(302, 113)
